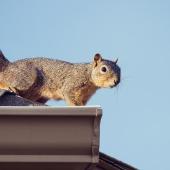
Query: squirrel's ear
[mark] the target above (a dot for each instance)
(1, 54)
(116, 61)
(97, 59)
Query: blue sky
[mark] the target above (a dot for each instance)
(136, 116)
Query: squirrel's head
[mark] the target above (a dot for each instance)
(105, 73)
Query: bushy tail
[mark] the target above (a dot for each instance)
(3, 61)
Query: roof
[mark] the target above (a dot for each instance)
(51, 137)
(109, 163)
(8, 98)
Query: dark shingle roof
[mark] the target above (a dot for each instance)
(11, 99)
(109, 163)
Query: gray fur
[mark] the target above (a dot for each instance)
(41, 79)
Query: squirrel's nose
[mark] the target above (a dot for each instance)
(116, 82)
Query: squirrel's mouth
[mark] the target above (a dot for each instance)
(116, 82)
(112, 86)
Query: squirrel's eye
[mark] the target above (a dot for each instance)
(103, 69)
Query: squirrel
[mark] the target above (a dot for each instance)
(42, 79)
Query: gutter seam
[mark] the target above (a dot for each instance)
(95, 140)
